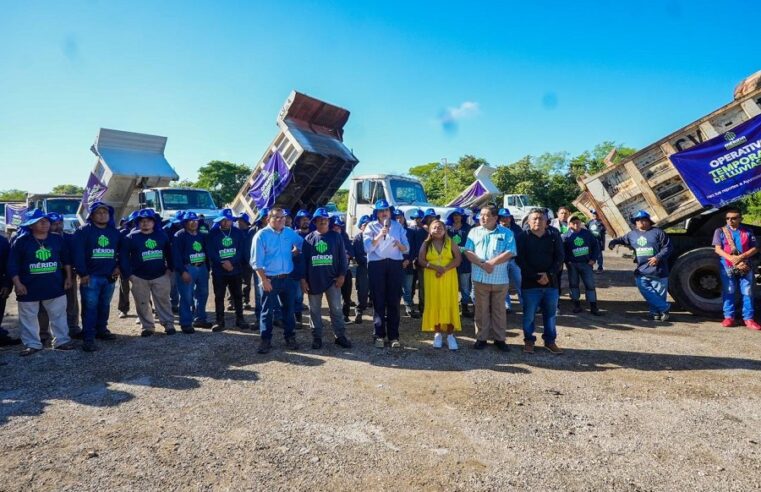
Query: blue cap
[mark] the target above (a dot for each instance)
(416, 213)
(398, 213)
(177, 217)
(338, 221)
(504, 212)
(641, 214)
(320, 213)
(381, 205)
(245, 217)
(226, 214)
(133, 216)
(303, 213)
(429, 212)
(263, 213)
(32, 217)
(147, 213)
(365, 219)
(55, 217)
(188, 216)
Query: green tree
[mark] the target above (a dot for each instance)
(67, 189)
(223, 179)
(341, 199)
(12, 195)
(443, 183)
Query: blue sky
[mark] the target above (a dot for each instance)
(423, 80)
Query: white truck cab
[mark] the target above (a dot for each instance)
(168, 201)
(520, 206)
(66, 205)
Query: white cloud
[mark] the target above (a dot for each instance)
(449, 118)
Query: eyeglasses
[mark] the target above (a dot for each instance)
(278, 217)
(734, 217)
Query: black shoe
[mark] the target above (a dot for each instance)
(344, 342)
(242, 325)
(347, 319)
(202, 324)
(414, 314)
(501, 346)
(264, 347)
(577, 307)
(299, 320)
(290, 343)
(89, 347)
(358, 319)
(76, 333)
(6, 341)
(231, 308)
(479, 345)
(66, 346)
(219, 325)
(188, 330)
(106, 335)
(29, 351)
(316, 343)
(175, 310)
(593, 309)
(465, 312)
(277, 323)
(170, 330)
(248, 307)
(146, 333)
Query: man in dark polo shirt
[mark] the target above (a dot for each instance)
(325, 266)
(540, 256)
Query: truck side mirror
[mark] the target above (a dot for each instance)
(141, 199)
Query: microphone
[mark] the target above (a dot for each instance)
(386, 224)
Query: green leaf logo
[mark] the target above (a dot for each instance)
(197, 246)
(729, 136)
(457, 239)
(578, 241)
(642, 241)
(321, 246)
(227, 242)
(43, 254)
(103, 241)
(150, 243)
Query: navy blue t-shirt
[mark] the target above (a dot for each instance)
(458, 238)
(188, 249)
(147, 256)
(95, 250)
(5, 249)
(648, 244)
(580, 247)
(39, 266)
(226, 245)
(358, 246)
(325, 260)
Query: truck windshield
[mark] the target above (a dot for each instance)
(408, 192)
(63, 206)
(187, 199)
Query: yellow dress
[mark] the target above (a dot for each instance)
(442, 306)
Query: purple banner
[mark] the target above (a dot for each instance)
(93, 192)
(468, 196)
(14, 214)
(270, 182)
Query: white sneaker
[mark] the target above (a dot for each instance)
(438, 342)
(452, 342)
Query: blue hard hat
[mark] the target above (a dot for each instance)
(177, 217)
(320, 213)
(147, 213)
(365, 219)
(263, 213)
(504, 212)
(226, 214)
(398, 213)
(133, 216)
(381, 205)
(245, 218)
(429, 212)
(33, 216)
(303, 213)
(188, 216)
(416, 213)
(55, 217)
(338, 221)
(641, 214)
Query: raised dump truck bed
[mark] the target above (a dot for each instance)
(310, 141)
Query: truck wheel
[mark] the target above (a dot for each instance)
(695, 283)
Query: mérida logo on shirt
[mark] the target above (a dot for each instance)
(321, 259)
(43, 266)
(103, 252)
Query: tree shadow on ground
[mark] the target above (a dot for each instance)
(112, 375)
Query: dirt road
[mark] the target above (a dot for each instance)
(631, 405)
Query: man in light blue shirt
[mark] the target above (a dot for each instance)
(385, 242)
(489, 247)
(272, 253)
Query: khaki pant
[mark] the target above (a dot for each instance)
(158, 289)
(490, 318)
(30, 326)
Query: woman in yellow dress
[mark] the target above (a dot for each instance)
(439, 257)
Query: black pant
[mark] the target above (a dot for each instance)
(248, 274)
(346, 293)
(363, 286)
(123, 295)
(3, 300)
(386, 277)
(222, 283)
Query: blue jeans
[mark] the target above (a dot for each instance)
(407, 289)
(193, 296)
(515, 279)
(463, 283)
(654, 291)
(96, 302)
(333, 294)
(174, 294)
(730, 286)
(546, 300)
(584, 272)
(283, 290)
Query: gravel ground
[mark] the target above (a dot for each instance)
(631, 405)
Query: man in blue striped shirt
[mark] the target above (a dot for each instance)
(272, 258)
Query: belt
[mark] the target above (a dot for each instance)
(282, 275)
(199, 264)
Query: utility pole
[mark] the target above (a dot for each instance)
(446, 176)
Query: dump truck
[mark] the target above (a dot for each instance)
(310, 149)
(684, 196)
(131, 172)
